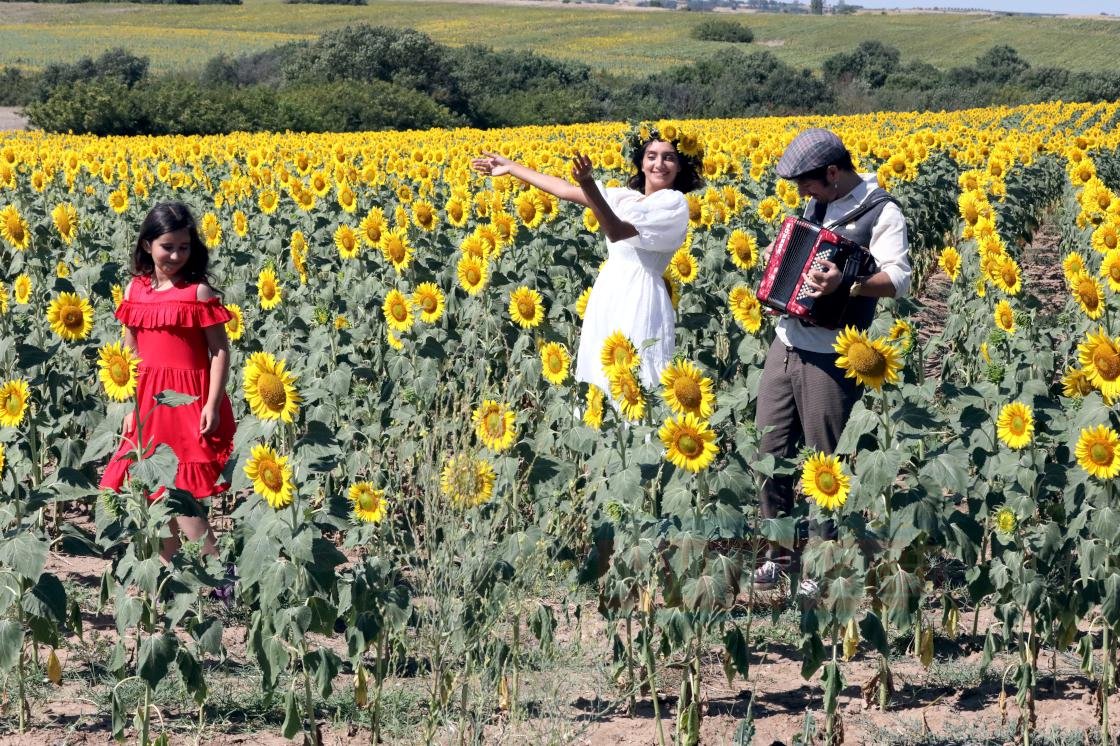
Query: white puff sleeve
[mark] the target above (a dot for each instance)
(661, 219)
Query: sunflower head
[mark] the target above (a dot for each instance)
(368, 502)
(526, 308)
(686, 390)
(270, 389)
(271, 475)
(745, 308)
(428, 300)
(554, 362)
(467, 481)
(473, 273)
(618, 354)
(628, 395)
(14, 395)
(1005, 520)
(593, 415)
(117, 369)
(824, 480)
(689, 442)
(871, 362)
(268, 289)
(70, 316)
(398, 311)
(1015, 425)
(1097, 451)
(950, 262)
(494, 426)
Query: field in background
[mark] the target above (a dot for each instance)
(618, 41)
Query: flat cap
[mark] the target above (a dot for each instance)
(812, 149)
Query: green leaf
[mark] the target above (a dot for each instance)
(323, 664)
(157, 469)
(900, 592)
(25, 554)
(877, 470)
(172, 398)
(208, 635)
(861, 422)
(1110, 604)
(11, 641)
(871, 629)
(292, 724)
(735, 644)
(46, 599)
(156, 654)
(191, 671)
(833, 682)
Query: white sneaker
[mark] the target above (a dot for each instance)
(808, 589)
(767, 576)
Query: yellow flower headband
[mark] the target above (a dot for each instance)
(688, 144)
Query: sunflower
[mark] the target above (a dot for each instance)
(627, 394)
(1075, 384)
(689, 442)
(493, 424)
(118, 199)
(211, 230)
(1015, 425)
(770, 210)
(554, 362)
(525, 307)
(345, 197)
(745, 308)
(743, 249)
(346, 241)
(65, 219)
(1110, 269)
(269, 294)
(458, 212)
(235, 327)
(824, 480)
(1006, 275)
(14, 395)
(683, 266)
(271, 475)
(1005, 520)
(871, 362)
(4, 298)
(467, 481)
(369, 503)
(117, 369)
(371, 226)
(396, 249)
(1005, 317)
(1097, 451)
(473, 274)
(21, 289)
(529, 209)
(581, 302)
(267, 200)
(590, 222)
(1, 458)
(950, 262)
(269, 388)
(1106, 237)
(593, 415)
(70, 316)
(1099, 356)
(14, 229)
(424, 215)
(1073, 265)
(1089, 294)
(398, 311)
(428, 299)
(393, 340)
(297, 250)
(686, 390)
(618, 354)
(240, 224)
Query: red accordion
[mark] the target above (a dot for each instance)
(802, 247)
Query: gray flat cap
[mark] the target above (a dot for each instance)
(814, 148)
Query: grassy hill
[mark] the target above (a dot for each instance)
(614, 40)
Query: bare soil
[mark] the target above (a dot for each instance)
(11, 118)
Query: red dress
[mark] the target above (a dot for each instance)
(171, 343)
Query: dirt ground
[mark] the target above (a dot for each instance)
(11, 118)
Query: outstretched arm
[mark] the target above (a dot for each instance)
(496, 165)
(614, 227)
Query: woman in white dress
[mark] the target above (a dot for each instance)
(644, 223)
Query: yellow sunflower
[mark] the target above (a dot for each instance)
(1106, 237)
(14, 395)
(398, 311)
(1005, 520)
(1006, 276)
(297, 250)
(269, 293)
(590, 222)
(117, 369)
(369, 502)
(14, 229)
(593, 415)
(1099, 356)
(529, 208)
(346, 241)
(824, 480)
(467, 481)
(871, 362)
(1075, 384)
(210, 230)
(4, 298)
(1073, 265)
(689, 442)
(424, 215)
(683, 266)
(267, 200)
(393, 340)
(525, 307)
(745, 308)
(618, 354)
(21, 289)
(581, 302)
(235, 327)
(743, 249)
(396, 249)
(1015, 425)
(65, 219)
(428, 299)
(627, 394)
(903, 333)
(493, 424)
(686, 390)
(371, 226)
(1, 459)
(271, 475)
(1110, 269)
(269, 388)
(1089, 294)
(554, 362)
(240, 224)
(1097, 451)
(473, 274)
(950, 262)
(70, 316)
(118, 199)
(1005, 317)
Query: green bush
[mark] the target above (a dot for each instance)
(16, 86)
(869, 64)
(353, 107)
(119, 65)
(722, 29)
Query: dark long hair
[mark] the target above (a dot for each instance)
(168, 217)
(688, 178)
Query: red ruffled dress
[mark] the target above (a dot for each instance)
(169, 326)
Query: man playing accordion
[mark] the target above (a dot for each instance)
(803, 397)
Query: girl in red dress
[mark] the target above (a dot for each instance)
(175, 322)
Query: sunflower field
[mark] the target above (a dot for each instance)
(419, 486)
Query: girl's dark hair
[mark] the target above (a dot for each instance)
(688, 178)
(168, 217)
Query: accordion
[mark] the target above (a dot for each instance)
(802, 247)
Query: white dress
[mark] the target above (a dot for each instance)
(629, 294)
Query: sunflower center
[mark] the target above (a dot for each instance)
(271, 390)
(1087, 291)
(396, 252)
(527, 308)
(233, 325)
(494, 423)
(12, 405)
(428, 303)
(271, 476)
(554, 363)
(72, 317)
(1107, 362)
(688, 392)
(119, 371)
(268, 290)
(866, 360)
(688, 445)
(826, 483)
(367, 501)
(621, 357)
(473, 275)
(1100, 454)
(1018, 425)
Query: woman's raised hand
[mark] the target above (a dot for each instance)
(492, 164)
(581, 168)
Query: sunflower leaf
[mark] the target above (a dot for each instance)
(172, 398)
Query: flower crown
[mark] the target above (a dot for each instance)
(688, 144)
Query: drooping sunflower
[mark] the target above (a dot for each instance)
(627, 394)
(396, 249)
(428, 299)
(1089, 294)
(65, 219)
(581, 302)
(687, 390)
(271, 475)
(21, 289)
(269, 388)
(14, 229)
(1098, 451)
(554, 362)
(235, 327)
(902, 333)
(397, 310)
(467, 481)
(1004, 316)
(689, 442)
(950, 262)
(269, 293)
(743, 249)
(1015, 425)
(824, 480)
(618, 354)
(70, 316)
(369, 502)
(526, 308)
(683, 266)
(872, 362)
(346, 241)
(745, 308)
(1075, 384)
(494, 426)
(1099, 356)
(14, 395)
(593, 415)
(473, 274)
(117, 369)
(297, 250)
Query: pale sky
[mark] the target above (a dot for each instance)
(1017, 6)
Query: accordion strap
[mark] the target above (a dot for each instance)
(876, 198)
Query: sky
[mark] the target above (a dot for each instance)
(1018, 6)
